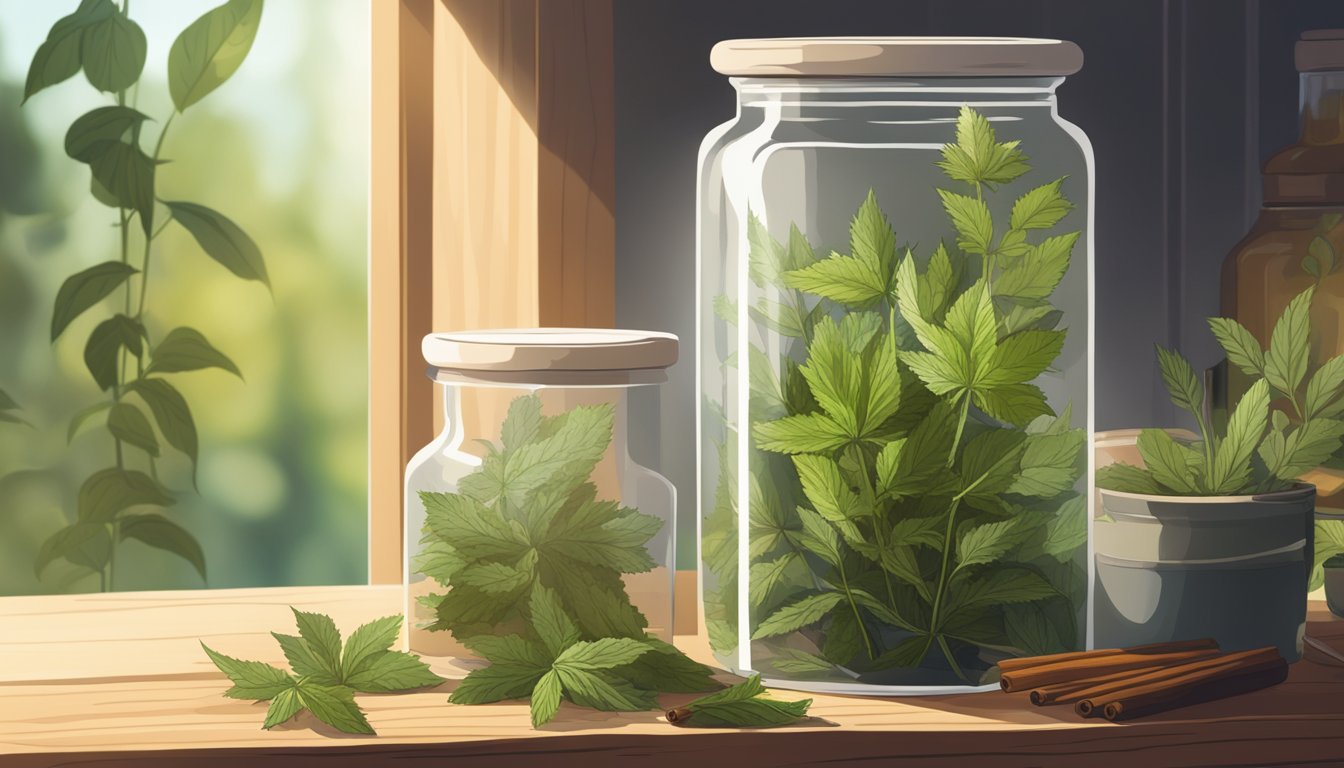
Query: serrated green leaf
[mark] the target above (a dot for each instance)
(366, 642)
(496, 682)
(666, 669)
(129, 425)
(303, 661)
(765, 256)
(1051, 463)
(989, 461)
(834, 375)
(996, 587)
(84, 289)
(1323, 388)
(210, 50)
(765, 576)
(899, 560)
(1066, 532)
(870, 235)
(283, 707)
(1286, 360)
(1021, 358)
(185, 349)
(1016, 404)
(161, 533)
(1167, 461)
(795, 662)
(970, 217)
(851, 281)
(818, 537)
(742, 705)
(322, 637)
(977, 157)
(1040, 208)
(251, 679)
(826, 489)
(888, 461)
(806, 433)
(604, 692)
(552, 624)
(492, 578)
(1241, 347)
(604, 653)
(796, 615)
(509, 650)
(1231, 470)
(1127, 479)
(388, 671)
(924, 454)
(1182, 384)
(546, 699)
(471, 526)
(1304, 449)
(335, 706)
(780, 318)
(1037, 275)
(989, 542)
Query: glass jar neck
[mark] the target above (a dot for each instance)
(1322, 104)
(818, 92)
(454, 432)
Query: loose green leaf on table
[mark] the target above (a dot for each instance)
(745, 705)
(326, 677)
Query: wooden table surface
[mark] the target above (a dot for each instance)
(120, 680)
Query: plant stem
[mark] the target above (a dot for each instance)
(961, 425)
(942, 574)
(144, 272)
(947, 653)
(853, 606)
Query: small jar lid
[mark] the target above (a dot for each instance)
(549, 349)
(1320, 50)
(896, 57)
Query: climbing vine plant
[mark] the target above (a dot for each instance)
(131, 359)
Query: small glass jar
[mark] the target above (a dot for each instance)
(838, 554)
(531, 483)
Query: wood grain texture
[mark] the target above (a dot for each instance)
(401, 402)
(576, 163)
(152, 699)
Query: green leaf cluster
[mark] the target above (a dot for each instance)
(125, 354)
(1264, 448)
(326, 676)
(913, 496)
(526, 542)
(744, 705)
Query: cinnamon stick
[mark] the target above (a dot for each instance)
(1095, 692)
(1014, 665)
(1082, 669)
(1232, 683)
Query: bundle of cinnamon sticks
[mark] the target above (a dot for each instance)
(1124, 683)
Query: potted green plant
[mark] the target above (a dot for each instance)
(1214, 537)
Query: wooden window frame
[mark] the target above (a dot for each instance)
(492, 196)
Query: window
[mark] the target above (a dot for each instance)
(281, 149)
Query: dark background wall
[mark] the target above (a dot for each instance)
(1182, 100)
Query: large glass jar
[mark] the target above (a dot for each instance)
(1298, 240)
(531, 485)
(893, 480)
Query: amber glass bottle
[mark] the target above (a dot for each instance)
(1298, 240)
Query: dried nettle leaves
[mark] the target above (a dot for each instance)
(533, 561)
(325, 676)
